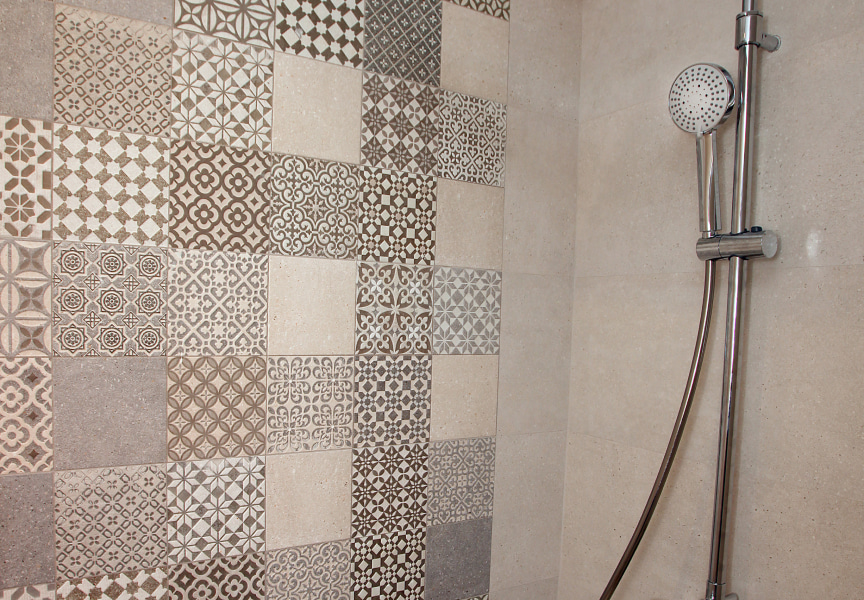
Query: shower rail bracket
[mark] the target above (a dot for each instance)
(755, 243)
(748, 31)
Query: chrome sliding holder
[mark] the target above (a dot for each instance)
(755, 243)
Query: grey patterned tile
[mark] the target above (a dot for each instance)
(147, 584)
(26, 530)
(217, 303)
(309, 403)
(313, 572)
(120, 511)
(25, 177)
(495, 8)
(42, 591)
(205, 104)
(467, 311)
(314, 207)
(390, 566)
(215, 508)
(458, 556)
(392, 400)
(249, 21)
(26, 416)
(25, 296)
(328, 30)
(461, 480)
(110, 187)
(225, 578)
(397, 217)
(473, 138)
(403, 38)
(111, 72)
(108, 300)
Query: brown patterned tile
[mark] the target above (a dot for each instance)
(25, 292)
(26, 416)
(227, 578)
(249, 21)
(148, 584)
(25, 177)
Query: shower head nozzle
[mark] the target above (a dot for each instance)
(702, 97)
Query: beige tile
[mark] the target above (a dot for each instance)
(27, 59)
(802, 25)
(469, 224)
(308, 498)
(474, 53)
(316, 109)
(311, 306)
(464, 396)
(526, 530)
(546, 589)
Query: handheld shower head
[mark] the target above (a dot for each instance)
(702, 97)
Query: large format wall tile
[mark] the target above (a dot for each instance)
(467, 311)
(457, 559)
(111, 72)
(27, 59)
(25, 290)
(225, 578)
(26, 416)
(464, 396)
(390, 566)
(41, 591)
(313, 572)
(147, 584)
(330, 30)
(26, 531)
(403, 39)
(235, 20)
(472, 140)
(461, 476)
(25, 177)
(119, 511)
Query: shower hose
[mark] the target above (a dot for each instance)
(677, 432)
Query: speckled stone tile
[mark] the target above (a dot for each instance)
(27, 92)
(26, 530)
(458, 556)
(26, 416)
(25, 296)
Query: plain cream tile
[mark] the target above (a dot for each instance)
(316, 109)
(469, 225)
(802, 24)
(308, 498)
(464, 396)
(311, 309)
(529, 487)
(474, 50)
(546, 589)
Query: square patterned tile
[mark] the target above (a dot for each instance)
(467, 311)
(309, 403)
(389, 488)
(219, 198)
(25, 177)
(397, 217)
(392, 400)
(472, 140)
(314, 207)
(403, 38)
(111, 72)
(496, 8)
(205, 102)
(329, 30)
(110, 187)
(313, 572)
(26, 416)
(400, 125)
(43, 591)
(394, 309)
(119, 511)
(25, 292)
(247, 21)
(461, 478)
(237, 578)
(215, 508)
(108, 300)
(217, 303)
(215, 407)
(147, 584)
(389, 567)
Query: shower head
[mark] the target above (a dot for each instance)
(702, 97)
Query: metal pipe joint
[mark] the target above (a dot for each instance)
(755, 243)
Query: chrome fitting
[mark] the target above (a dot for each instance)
(748, 30)
(752, 244)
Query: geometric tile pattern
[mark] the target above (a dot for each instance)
(109, 300)
(25, 177)
(110, 187)
(314, 572)
(400, 125)
(217, 303)
(467, 311)
(496, 8)
(309, 403)
(461, 475)
(108, 520)
(237, 578)
(403, 39)
(215, 407)
(329, 30)
(247, 21)
(219, 198)
(314, 207)
(394, 309)
(389, 488)
(397, 217)
(222, 92)
(25, 298)
(26, 416)
(472, 141)
(111, 72)
(43, 591)
(149, 584)
(392, 400)
(215, 508)
(390, 566)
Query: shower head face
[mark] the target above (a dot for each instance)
(702, 97)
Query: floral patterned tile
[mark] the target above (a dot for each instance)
(328, 30)
(111, 72)
(467, 311)
(43, 591)
(312, 572)
(461, 479)
(147, 584)
(25, 298)
(110, 187)
(473, 138)
(25, 177)
(390, 566)
(403, 39)
(495, 8)
(247, 21)
(225, 578)
(26, 416)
